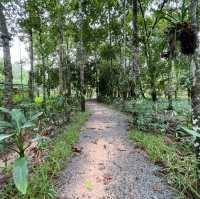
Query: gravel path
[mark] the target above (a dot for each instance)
(107, 166)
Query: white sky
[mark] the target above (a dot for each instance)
(17, 48)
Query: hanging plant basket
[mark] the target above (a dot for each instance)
(184, 34)
(187, 36)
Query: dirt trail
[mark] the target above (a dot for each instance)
(108, 166)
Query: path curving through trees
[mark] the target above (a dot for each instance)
(107, 165)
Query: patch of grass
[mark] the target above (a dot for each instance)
(41, 183)
(180, 169)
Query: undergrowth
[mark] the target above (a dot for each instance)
(41, 185)
(179, 167)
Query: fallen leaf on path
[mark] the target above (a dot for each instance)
(76, 150)
(159, 162)
(98, 179)
(61, 197)
(101, 166)
(94, 141)
(121, 149)
(88, 185)
(91, 128)
(157, 188)
(107, 178)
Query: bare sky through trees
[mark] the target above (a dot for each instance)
(15, 51)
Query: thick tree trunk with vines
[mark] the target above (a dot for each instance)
(5, 37)
(196, 91)
(31, 72)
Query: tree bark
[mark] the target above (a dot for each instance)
(136, 65)
(196, 92)
(82, 86)
(135, 51)
(169, 87)
(61, 61)
(5, 37)
(31, 72)
(68, 72)
(43, 71)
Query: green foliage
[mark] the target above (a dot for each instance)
(20, 174)
(193, 133)
(38, 100)
(17, 99)
(18, 123)
(60, 150)
(179, 166)
(152, 116)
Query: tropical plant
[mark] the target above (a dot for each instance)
(17, 126)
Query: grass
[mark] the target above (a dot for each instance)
(180, 168)
(41, 182)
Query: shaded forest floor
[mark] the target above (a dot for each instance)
(106, 164)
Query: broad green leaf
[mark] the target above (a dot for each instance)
(27, 124)
(35, 116)
(20, 174)
(191, 132)
(4, 136)
(4, 124)
(5, 110)
(18, 117)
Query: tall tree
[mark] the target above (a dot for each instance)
(135, 55)
(196, 90)
(136, 64)
(5, 37)
(31, 72)
(60, 19)
(82, 64)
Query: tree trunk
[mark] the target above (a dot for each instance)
(8, 88)
(169, 87)
(68, 75)
(44, 81)
(61, 61)
(196, 117)
(196, 93)
(136, 65)
(110, 93)
(82, 86)
(43, 72)
(31, 72)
